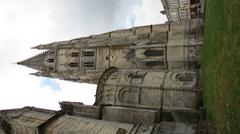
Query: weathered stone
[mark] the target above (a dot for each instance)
(170, 46)
(148, 80)
(129, 115)
(180, 10)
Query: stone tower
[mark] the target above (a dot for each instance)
(180, 10)
(164, 47)
(148, 81)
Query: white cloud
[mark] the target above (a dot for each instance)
(26, 23)
(148, 12)
(19, 89)
(21, 28)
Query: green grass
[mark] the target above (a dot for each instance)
(221, 65)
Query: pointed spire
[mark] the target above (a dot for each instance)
(35, 62)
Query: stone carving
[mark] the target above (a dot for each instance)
(147, 47)
(148, 80)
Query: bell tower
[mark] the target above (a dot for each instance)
(173, 46)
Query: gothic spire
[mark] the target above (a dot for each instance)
(35, 62)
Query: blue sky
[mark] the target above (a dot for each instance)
(133, 19)
(28, 23)
(51, 83)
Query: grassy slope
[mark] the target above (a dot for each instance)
(221, 65)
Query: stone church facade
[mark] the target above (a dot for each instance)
(148, 77)
(164, 47)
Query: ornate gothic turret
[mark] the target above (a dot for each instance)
(164, 47)
(36, 62)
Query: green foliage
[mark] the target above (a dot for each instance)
(221, 65)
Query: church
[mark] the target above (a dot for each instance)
(148, 79)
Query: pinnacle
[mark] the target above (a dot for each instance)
(35, 62)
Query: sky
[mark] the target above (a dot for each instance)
(27, 23)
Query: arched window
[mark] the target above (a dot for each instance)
(88, 53)
(131, 54)
(74, 54)
(187, 78)
(88, 64)
(50, 60)
(194, 1)
(153, 53)
(154, 63)
(73, 64)
(137, 75)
